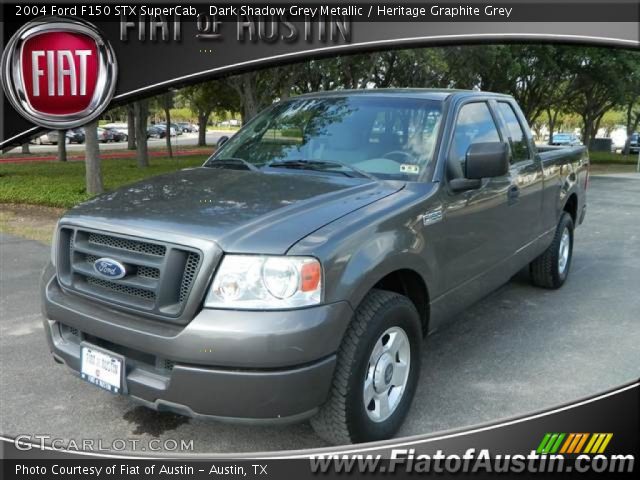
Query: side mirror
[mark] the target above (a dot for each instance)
(483, 160)
(486, 160)
(221, 141)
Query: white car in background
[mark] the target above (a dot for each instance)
(618, 139)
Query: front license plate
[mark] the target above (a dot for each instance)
(102, 368)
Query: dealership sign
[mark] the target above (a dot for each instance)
(59, 72)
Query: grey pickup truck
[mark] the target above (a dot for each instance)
(295, 274)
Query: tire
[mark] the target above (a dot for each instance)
(344, 419)
(551, 269)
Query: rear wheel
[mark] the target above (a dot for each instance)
(551, 269)
(376, 372)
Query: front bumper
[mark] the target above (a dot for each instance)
(256, 366)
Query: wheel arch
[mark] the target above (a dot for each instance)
(404, 274)
(571, 206)
(409, 283)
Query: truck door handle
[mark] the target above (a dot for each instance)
(512, 194)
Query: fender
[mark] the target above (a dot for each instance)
(574, 177)
(361, 274)
(372, 242)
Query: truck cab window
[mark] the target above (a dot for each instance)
(517, 138)
(473, 125)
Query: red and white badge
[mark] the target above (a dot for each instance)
(59, 72)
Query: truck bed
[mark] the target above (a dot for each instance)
(550, 153)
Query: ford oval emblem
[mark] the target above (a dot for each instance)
(109, 268)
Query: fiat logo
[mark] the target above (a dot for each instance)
(109, 268)
(59, 73)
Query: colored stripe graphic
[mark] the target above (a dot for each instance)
(576, 444)
(600, 443)
(571, 440)
(568, 443)
(555, 443)
(550, 443)
(592, 440)
(582, 442)
(543, 443)
(605, 442)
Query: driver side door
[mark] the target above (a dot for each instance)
(477, 232)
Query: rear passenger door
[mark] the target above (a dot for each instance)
(526, 190)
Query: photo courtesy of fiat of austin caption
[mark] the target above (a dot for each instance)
(98, 471)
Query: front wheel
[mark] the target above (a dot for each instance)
(376, 373)
(551, 269)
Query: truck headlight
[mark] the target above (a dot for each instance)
(266, 282)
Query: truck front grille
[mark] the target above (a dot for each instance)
(126, 244)
(158, 279)
(122, 289)
(190, 270)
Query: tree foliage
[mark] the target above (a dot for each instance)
(555, 85)
(207, 98)
(550, 82)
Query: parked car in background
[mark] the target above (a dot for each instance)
(634, 143)
(74, 135)
(618, 139)
(117, 135)
(119, 126)
(566, 139)
(105, 135)
(296, 273)
(188, 127)
(163, 127)
(153, 131)
(231, 123)
(42, 139)
(177, 128)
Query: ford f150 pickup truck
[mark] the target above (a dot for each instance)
(295, 274)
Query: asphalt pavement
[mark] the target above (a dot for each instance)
(520, 350)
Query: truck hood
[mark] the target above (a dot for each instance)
(242, 211)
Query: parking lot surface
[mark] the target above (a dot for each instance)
(520, 350)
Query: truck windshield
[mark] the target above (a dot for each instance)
(364, 136)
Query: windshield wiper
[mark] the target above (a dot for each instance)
(321, 165)
(232, 162)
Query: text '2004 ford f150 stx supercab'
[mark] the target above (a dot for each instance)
(295, 274)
